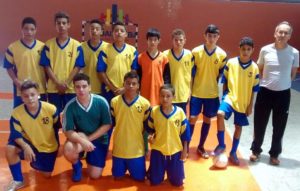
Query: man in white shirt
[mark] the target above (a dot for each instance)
(278, 63)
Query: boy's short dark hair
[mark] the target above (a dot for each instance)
(96, 21)
(118, 23)
(28, 20)
(60, 15)
(246, 41)
(211, 28)
(131, 75)
(81, 76)
(153, 32)
(27, 84)
(167, 87)
(176, 32)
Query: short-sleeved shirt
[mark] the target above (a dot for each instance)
(128, 132)
(38, 129)
(170, 130)
(242, 80)
(208, 68)
(116, 63)
(62, 60)
(152, 75)
(278, 64)
(181, 73)
(90, 59)
(25, 60)
(87, 120)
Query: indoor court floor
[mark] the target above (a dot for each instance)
(200, 174)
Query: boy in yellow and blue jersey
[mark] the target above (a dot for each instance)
(22, 59)
(240, 83)
(115, 61)
(169, 134)
(129, 112)
(86, 122)
(181, 62)
(62, 58)
(209, 62)
(33, 135)
(91, 50)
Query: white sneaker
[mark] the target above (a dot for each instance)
(14, 185)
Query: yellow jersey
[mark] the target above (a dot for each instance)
(128, 132)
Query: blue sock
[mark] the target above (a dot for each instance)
(204, 133)
(220, 136)
(77, 171)
(16, 171)
(235, 144)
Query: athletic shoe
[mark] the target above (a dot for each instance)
(77, 171)
(254, 157)
(218, 150)
(14, 185)
(274, 161)
(202, 152)
(234, 159)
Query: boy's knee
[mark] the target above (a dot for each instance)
(192, 119)
(95, 174)
(10, 151)
(69, 150)
(220, 114)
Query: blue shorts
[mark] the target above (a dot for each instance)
(210, 106)
(98, 156)
(160, 163)
(240, 119)
(182, 105)
(135, 166)
(60, 100)
(43, 162)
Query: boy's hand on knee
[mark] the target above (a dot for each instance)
(29, 154)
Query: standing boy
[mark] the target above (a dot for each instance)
(240, 82)
(129, 112)
(115, 61)
(169, 134)
(181, 62)
(91, 50)
(62, 59)
(153, 68)
(278, 63)
(33, 135)
(209, 62)
(22, 59)
(85, 123)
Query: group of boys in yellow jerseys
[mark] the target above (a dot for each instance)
(169, 81)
